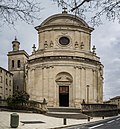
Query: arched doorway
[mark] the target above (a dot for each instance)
(64, 81)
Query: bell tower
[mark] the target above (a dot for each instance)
(16, 64)
(15, 45)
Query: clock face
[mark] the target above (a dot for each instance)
(64, 40)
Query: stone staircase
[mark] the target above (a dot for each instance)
(66, 112)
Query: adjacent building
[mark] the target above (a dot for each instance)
(6, 84)
(65, 69)
(114, 100)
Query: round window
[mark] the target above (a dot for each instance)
(64, 41)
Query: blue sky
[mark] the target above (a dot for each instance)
(106, 38)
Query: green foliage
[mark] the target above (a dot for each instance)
(18, 98)
(9, 101)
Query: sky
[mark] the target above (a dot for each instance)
(105, 37)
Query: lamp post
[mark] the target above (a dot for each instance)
(88, 94)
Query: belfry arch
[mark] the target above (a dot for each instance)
(64, 82)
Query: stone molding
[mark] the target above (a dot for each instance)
(66, 58)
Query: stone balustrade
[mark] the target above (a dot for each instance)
(100, 110)
(91, 107)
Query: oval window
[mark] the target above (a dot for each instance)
(64, 41)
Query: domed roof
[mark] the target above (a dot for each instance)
(64, 19)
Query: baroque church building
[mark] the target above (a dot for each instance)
(64, 70)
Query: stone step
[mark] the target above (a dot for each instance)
(67, 115)
(66, 112)
(64, 109)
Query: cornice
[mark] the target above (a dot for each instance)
(63, 58)
(20, 52)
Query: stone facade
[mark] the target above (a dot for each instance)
(17, 60)
(114, 100)
(6, 84)
(63, 69)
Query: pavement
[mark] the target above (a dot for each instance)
(38, 121)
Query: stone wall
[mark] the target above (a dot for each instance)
(100, 110)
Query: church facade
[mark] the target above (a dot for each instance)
(63, 70)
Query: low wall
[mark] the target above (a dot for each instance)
(100, 110)
(34, 106)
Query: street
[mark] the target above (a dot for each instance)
(112, 123)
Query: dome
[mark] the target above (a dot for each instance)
(64, 19)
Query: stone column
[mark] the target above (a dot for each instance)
(88, 93)
(93, 84)
(74, 85)
(77, 86)
(56, 95)
(51, 87)
(100, 94)
(83, 83)
(28, 86)
(32, 75)
(42, 83)
(45, 79)
(39, 84)
(89, 81)
(80, 85)
(101, 89)
(97, 86)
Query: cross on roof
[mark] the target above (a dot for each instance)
(65, 9)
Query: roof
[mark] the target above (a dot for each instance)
(6, 70)
(64, 19)
(114, 98)
(18, 52)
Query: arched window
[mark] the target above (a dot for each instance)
(12, 63)
(18, 63)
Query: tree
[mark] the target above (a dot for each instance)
(18, 98)
(14, 10)
(93, 9)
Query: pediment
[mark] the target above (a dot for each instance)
(63, 79)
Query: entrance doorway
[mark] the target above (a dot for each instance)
(64, 96)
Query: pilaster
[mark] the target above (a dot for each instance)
(77, 86)
(83, 83)
(51, 86)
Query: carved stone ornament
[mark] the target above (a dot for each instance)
(45, 45)
(64, 79)
(76, 44)
(51, 44)
(82, 45)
